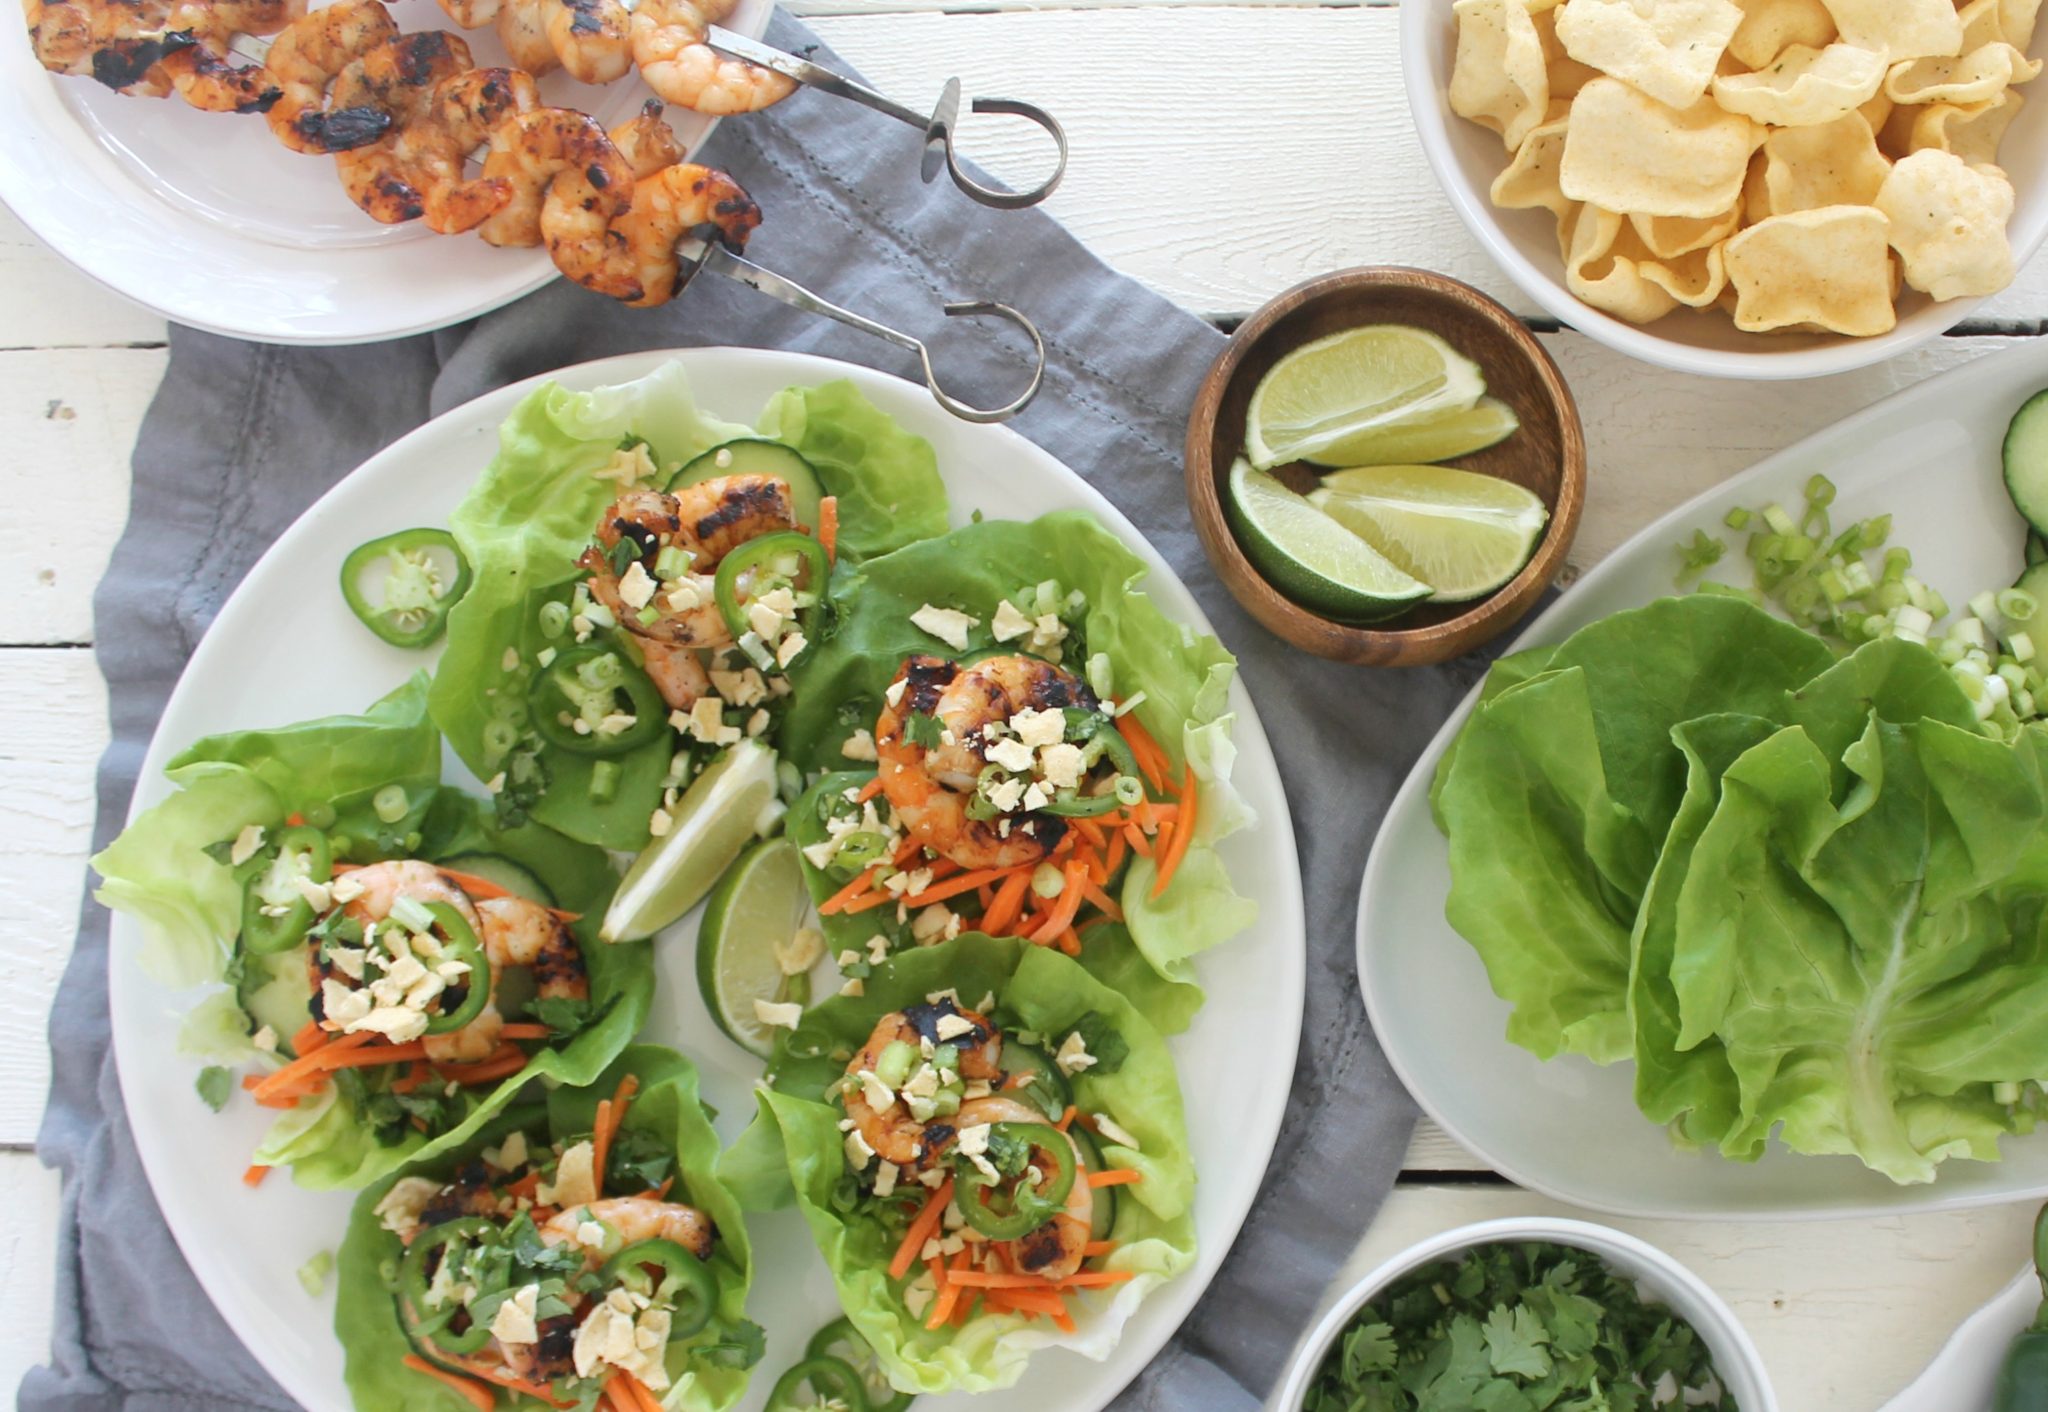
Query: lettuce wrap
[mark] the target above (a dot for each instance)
(795, 1149)
(530, 516)
(1805, 895)
(1115, 633)
(171, 871)
(666, 1133)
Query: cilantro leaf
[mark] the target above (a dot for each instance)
(1515, 1340)
(922, 728)
(738, 1345)
(1109, 1047)
(214, 1084)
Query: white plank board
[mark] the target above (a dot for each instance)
(1845, 1313)
(45, 303)
(1219, 154)
(28, 1253)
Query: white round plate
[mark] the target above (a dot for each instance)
(1571, 1130)
(1964, 1375)
(212, 222)
(1467, 157)
(285, 648)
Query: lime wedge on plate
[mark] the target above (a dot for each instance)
(1464, 533)
(1440, 438)
(714, 820)
(1327, 397)
(758, 907)
(1310, 557)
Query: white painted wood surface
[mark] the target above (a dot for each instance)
(1221, 153)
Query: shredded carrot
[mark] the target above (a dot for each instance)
(1094, 893)
(1064, 1319)
(1137, 840)
(828, 527)
(1067, 1118)
(1121, 1176)
(526, 1186)
(1066, 905)
(661, 1192)
(869, 790)
(1095, 1279)
(480, 1397)
(863, 882)
(254, 1175)
(984, 1279)
(953, 887)
(986, 895)
(309, 1038)
(525, 1029)
(611, 1115)
(1009, 901)
(412, 1078)
(1151, 759)
(1069, 942)
(1030, 1301)
(295, 820)
(630, 1394)
(615, 1398)
(1095, 1248)
(309, 1069)
(1089, 830)
(501, 1063)
(1183, 830)
(921, 1227)
(539, 1391)
(1113, 857)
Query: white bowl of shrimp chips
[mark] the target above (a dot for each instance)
(1770, 152)
(1658, 1279)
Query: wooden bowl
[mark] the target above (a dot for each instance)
(1548, 454)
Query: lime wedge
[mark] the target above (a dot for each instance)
(714, 820)
(1326, 397)
(1465, 533)
(748, 925)
(1440, 438)
(1310, 557)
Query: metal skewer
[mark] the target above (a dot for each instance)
(700, 251)
(939, 149)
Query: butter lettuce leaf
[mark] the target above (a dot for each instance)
(1036, 989)
(667, 1106)
(886, 479)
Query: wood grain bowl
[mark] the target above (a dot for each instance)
(1548, 454)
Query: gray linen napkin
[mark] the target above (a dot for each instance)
(242, 437)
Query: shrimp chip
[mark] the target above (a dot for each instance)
(1835, 164)
(1770, 27)
(1666, 48)
(1972, 133)
(1948, 224)
(1804, 87)
(1695, 280)
(1603, 268)
(1567, 75)
(1756, 191)
(2016, 21)
(1828, 268)
(1903, 29)
(1976, 77)
(1529, 182)
(1626, 151)
(1669, 237)
(1878, 111)
(1498, 78)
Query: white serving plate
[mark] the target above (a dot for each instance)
(1964, 1375)
(212, 222)
(1569, 1129)
(1467, 157)
(285, 647)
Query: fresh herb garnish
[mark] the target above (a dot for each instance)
(637, 1161)
(1105, 1044)
(214, 1084)
(921, 728)
(740, 1344)
(563, 1014)
(1517, 1328)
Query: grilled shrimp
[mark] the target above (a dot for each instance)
(930, 788)
(677, 673)
(638, 1218)
(471, 14)
(592, 38)
(1057, 1248)
(666, 205)
(306, 57)
(202, 75)
(433, 151)
(515, 932)
(118, 43)
(892, 1132)
(709, 519)
(672, 48)
(523, 30)
(384, 883)
(553, 151)
(646, 142)
(400, 78)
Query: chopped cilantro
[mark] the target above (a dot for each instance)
(920, 728)
(560, 1013)
(740, 1344)
(637, 1161)
(1105, 1044)
(214, 1085)
(1516, 1328)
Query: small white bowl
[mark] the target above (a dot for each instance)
(1467, 157)
(1662, 1279)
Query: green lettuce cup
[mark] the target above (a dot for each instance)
(395, 1303)
(1069, 1042)
(194, 870)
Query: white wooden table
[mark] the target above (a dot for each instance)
(1219, 154)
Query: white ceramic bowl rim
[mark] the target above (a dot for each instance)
(1735, 1354)
(1423, 26)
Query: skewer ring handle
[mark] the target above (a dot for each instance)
(939, 148)
(988, 308)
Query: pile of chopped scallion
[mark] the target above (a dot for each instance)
(1826, 582)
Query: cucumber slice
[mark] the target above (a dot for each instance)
(2026, 461)
(1036, 1079)
(497, 868)
(2034, 582)
(277, 991)
(1105, 1196)
(759, 458)
(2037, 549)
